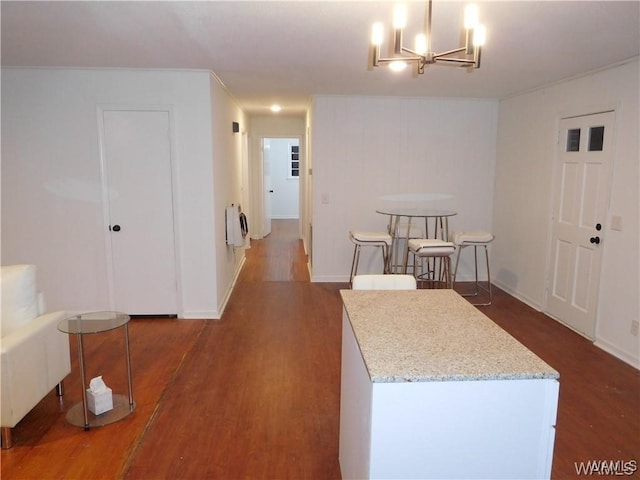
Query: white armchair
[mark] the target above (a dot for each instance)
(35, 355)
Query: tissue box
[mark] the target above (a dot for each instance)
(99, 402)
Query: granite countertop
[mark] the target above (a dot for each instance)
(434, 335)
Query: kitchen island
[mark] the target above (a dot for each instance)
(432, 388)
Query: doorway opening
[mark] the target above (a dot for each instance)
(281, 167)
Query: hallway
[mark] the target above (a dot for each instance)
(279, 257)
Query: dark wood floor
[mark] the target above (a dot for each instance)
(256, 394)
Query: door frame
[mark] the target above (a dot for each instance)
(100, 109)
(266, 189)
(555, 178)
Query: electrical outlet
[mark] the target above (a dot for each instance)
(634, 328)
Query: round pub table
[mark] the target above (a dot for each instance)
(92, 323)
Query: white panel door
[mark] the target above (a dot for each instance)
(138, 181)
(583, 174)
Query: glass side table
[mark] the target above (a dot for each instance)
(90, 323)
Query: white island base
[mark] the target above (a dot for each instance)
(442, 429)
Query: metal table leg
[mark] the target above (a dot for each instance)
(126, 338)
(84, 382)
(405, 258)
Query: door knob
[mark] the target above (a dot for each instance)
(270, 191)
(115, 228)
(598, 227)
(595, 240)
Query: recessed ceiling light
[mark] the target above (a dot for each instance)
(276, 108)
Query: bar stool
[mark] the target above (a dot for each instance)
(369, 239)
(427, 249)
(475, 239)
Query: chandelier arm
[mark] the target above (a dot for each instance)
(462, 61)
(401, 59)
(411, 52)
(449, 52)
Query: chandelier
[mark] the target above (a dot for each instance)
(422, 54)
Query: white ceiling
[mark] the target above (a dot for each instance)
(275, 51)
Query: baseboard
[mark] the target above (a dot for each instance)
(216, 314)
(470, 277)
(514, 293)
(602, 344)
(205, 315)
(616, 352)
(232, 286)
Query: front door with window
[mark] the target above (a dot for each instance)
(581, 199)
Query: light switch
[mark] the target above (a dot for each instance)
(324, 198)
(616, 223)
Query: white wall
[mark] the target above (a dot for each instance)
(365, 147)
(528, 126)
(50, 133)
(229, 187)
(306, 189)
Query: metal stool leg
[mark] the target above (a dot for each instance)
(356, 257)
(385, 258)
(455, 270)
(475, 264)
(477, 286)
(444, 272)
(419, 278)
(486, 254)
(447, 272)
(354, 263)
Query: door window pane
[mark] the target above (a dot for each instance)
(573, 140)
(295, 161)
(596, 139)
